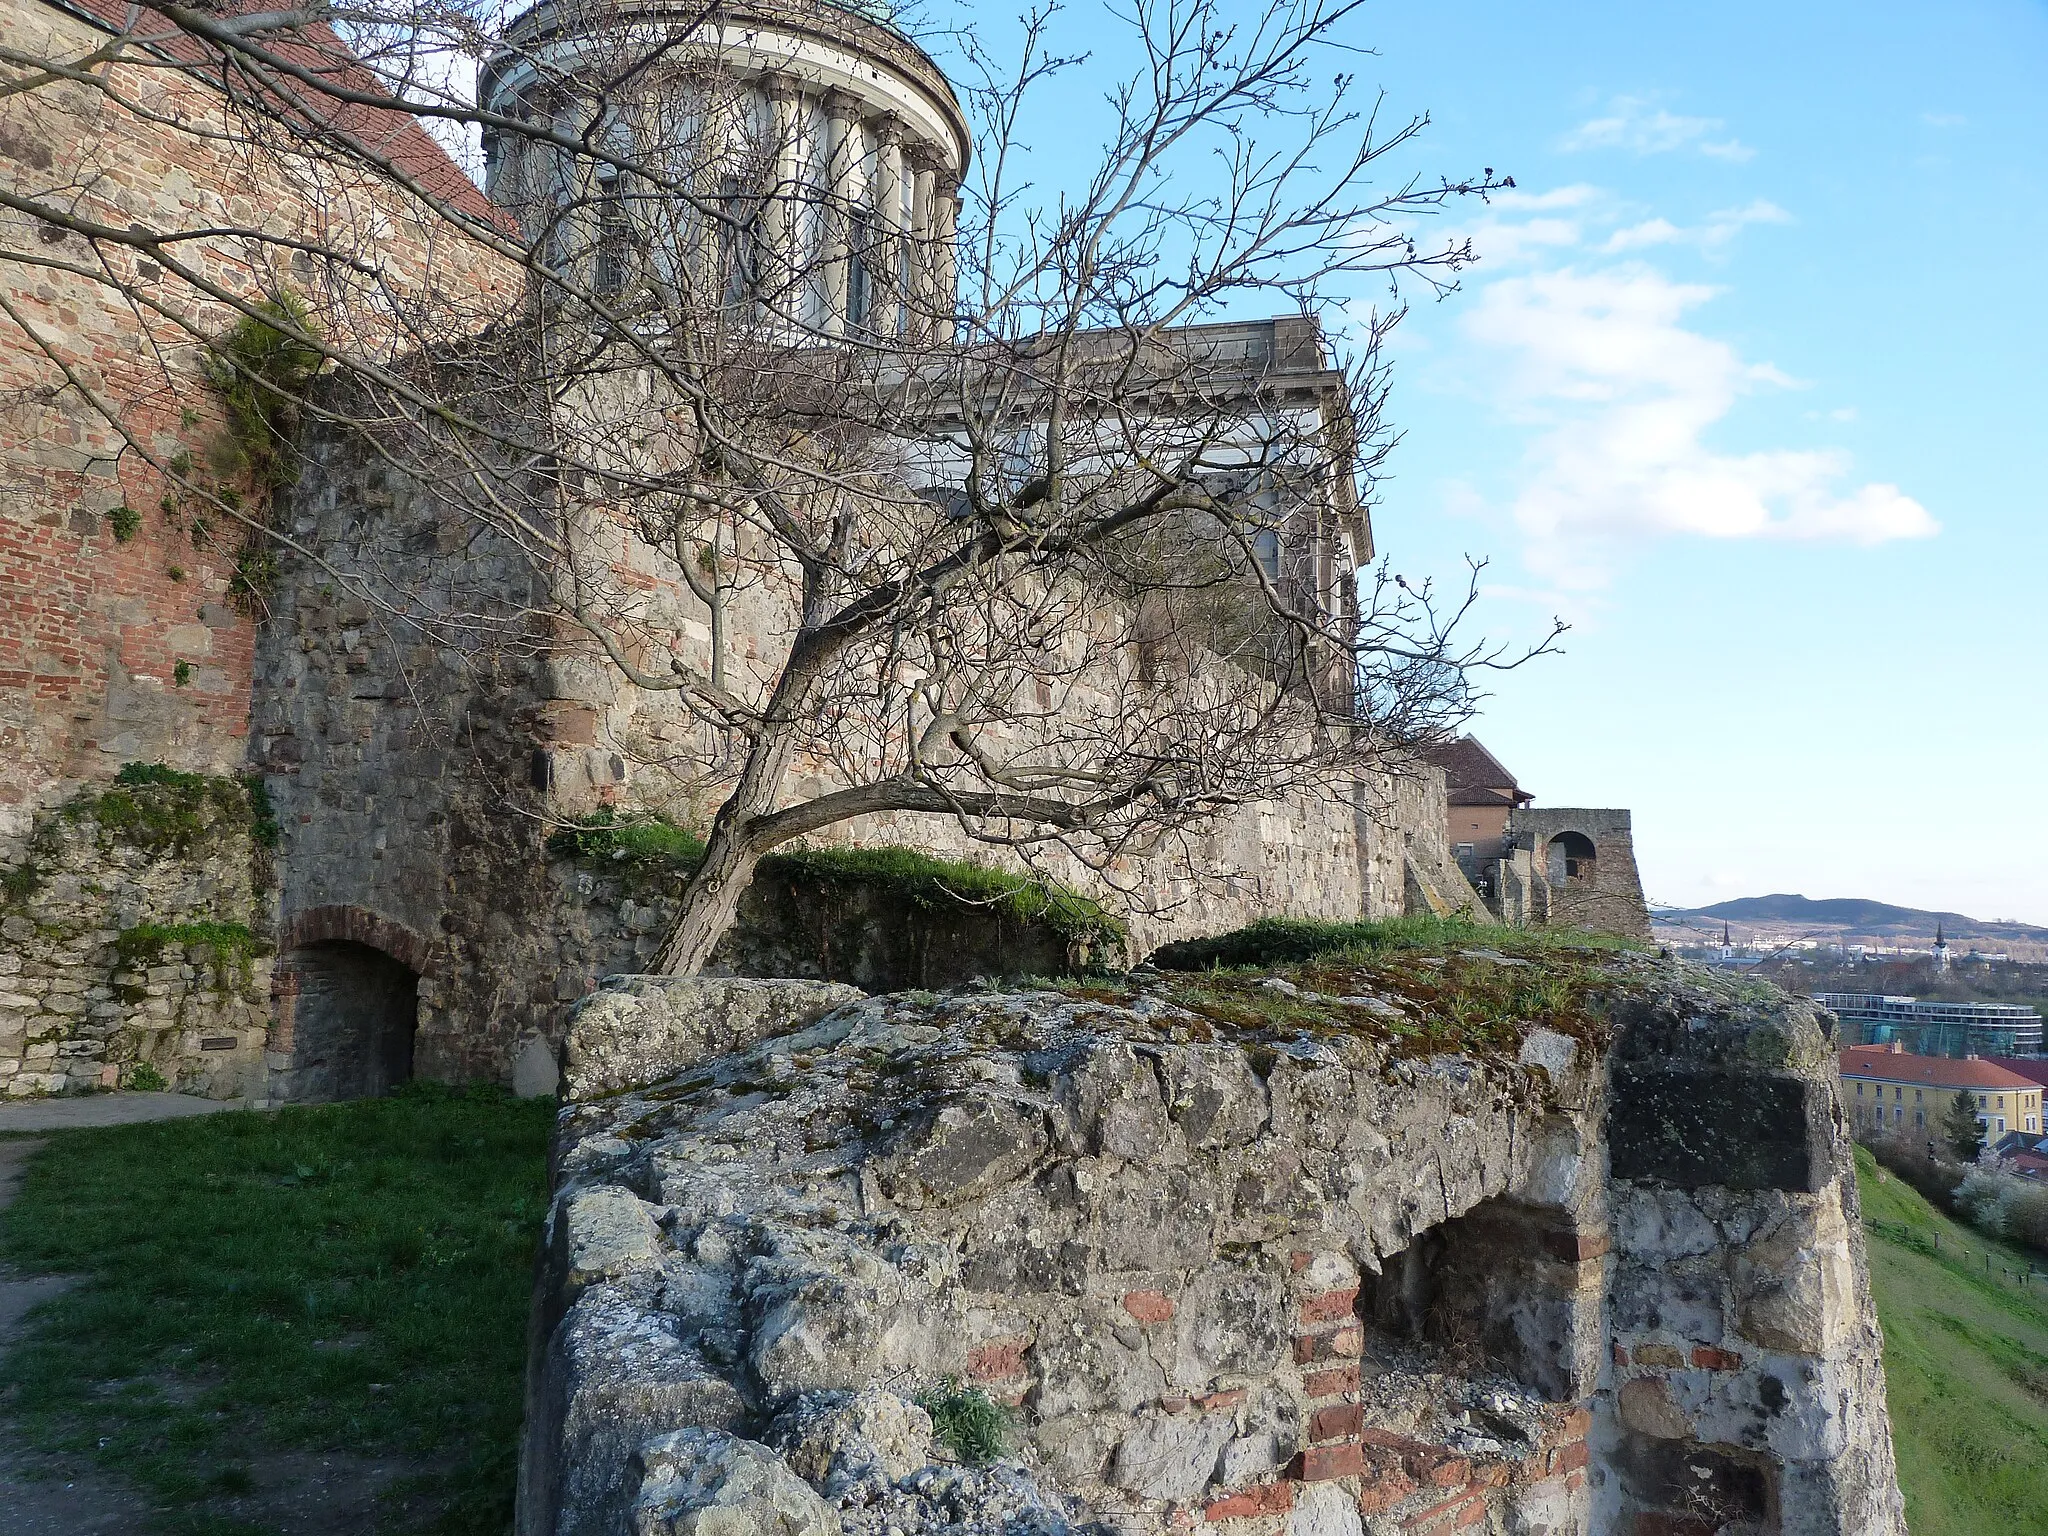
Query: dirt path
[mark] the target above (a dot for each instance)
(86, 1109)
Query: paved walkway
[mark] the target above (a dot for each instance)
(67, 1496)
(105, 1109)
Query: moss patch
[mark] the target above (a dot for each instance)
(657, 849)
(165, 810)
(1290, 940)
(232, 947)
(1418, 986)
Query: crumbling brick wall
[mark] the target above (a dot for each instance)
(131, 647)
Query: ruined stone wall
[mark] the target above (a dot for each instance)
(419, 768)
(135, 930)
(119, 646)
(1611, 900)
(1256, 1276)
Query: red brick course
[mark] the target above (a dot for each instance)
(997, 1360)
(1247, 1503)
(1321, 1463)
(1329, 1306)
(92, 628)
(1343, 1344)
(1149, 1306)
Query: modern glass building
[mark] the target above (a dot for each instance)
(1929, 1028)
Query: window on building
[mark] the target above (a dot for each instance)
(1916, 1096)
(1859, 1090)
(1266, 550)
(1919, 1117)
(2001, 1101)
(1981, 1104)
(2001, 1125)
(859, 277)
(739, 241)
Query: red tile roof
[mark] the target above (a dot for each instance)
(2032, 1068)
(1474, 775)
(385, 134)
(1886, 1065)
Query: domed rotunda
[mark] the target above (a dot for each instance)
(790, 162)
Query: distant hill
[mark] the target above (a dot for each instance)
(1852, 916)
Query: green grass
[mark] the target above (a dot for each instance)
(1966, 1367)
(968, 1422)
(351, 1277)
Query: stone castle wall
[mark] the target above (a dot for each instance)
(136, 931)
(417, 780)
(1610, 900)
(1225, 1276)
(94, 627)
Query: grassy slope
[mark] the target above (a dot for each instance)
(352, 1277)
(1966, 1369)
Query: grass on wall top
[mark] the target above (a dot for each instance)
(651, 846)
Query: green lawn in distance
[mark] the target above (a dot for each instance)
(1965, 1367)
(350, 1277)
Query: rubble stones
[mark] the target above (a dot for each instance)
(1282, 1276)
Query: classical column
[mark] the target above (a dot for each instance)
(921, 215)
(707, 238)
(885, 265)
(946, 218)
(782, 216)
(842, 172)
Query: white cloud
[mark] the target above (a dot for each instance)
(1718, 230)
(1621, 395)
(1943, 119)
(1636, 125)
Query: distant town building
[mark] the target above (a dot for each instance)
(1889, 1088)
(1936, 1028)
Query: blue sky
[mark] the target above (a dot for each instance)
(1747, 386)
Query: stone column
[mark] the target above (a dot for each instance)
(921, 191)
(782, 217)
(886, 264)
(842, 173)
(946, 216)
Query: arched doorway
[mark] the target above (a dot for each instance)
(1571, 858)
(352, 1013)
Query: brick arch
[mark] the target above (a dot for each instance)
(325, 925)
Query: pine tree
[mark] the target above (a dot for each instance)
(1959, 1125)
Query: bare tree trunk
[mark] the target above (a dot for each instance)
(711, 901)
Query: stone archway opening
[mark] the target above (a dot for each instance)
(1572, 857)
(353, 1017)
(1496, 1289)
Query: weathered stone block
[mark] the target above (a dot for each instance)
(1689, 1126)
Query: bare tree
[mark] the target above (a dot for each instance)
(1025, 534)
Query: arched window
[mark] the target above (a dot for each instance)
(1571, 858)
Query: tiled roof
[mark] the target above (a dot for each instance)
(386, 135)
(1473, 774)
(2033, 1068)
(1877, 1061)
